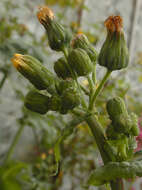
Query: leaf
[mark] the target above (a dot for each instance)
(115, 170)
(8, 184)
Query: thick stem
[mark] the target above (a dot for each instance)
(15, 141)
(98, 134)
(100, 139)
(99, 89)
(117, 185)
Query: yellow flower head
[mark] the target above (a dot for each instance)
(17, 60)
(114, 23)
(44, 14)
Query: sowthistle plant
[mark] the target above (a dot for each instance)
(64, 93)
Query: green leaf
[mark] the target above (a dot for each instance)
(8, 184)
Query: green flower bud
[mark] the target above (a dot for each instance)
(35, 72)
(122, 123)
(36, 102)
(58, 36)
(65, 85)
(70, 99)
(61, 68)
(135, 127)
(114, 52)
(54, 103)
(116, 107)
(80, 62)
(81, 41)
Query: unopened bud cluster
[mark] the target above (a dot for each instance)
(123, 128)
(78, 60)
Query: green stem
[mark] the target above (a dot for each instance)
(85, 90)
(3, 80)
(15, 141)
(83, 103)
(94, 74)
(99, 136)
(91, 88)
(100, 139)
(99, 89)
(65, 52)
(91, 85)
(117, 185)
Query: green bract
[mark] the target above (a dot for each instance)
(81, 41)
(70, 99)
(61, 68)
(80, 62)
(64, 85)
(37, 102)
(54, 103)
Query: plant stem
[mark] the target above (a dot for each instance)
(80, 13)
(99, 89)
(100, 139)
(98, 134)
(3, 80)
(85, 90)
(90, 84)
(117, 185)
(65, 52)
(83, 103)
(94, 74)
(14, 142)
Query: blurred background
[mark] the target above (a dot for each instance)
(20, 32)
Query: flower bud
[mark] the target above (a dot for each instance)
(58, 36)
(61, 68)
(81, 41)
(122, 123)
(116, 107)
(80, 62)
(114, 52)
(36, 102)
(54, 103)
(70, 99)
(65, 85)
(135, 127)
(34, 71)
